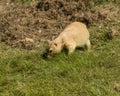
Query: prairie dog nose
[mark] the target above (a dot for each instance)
(50, 51)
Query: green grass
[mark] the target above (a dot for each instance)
(94, 73)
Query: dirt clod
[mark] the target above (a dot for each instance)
(117, 87)
(112, 34)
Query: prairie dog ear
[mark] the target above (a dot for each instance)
(53, 37)
(48, 41)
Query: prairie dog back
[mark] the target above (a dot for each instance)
(77, 32)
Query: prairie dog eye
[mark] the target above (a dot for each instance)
(55, 44)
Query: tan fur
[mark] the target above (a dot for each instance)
(74, 35)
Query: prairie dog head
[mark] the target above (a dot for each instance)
(54, 46)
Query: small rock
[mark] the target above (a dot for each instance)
(39, 31)
(29, 40)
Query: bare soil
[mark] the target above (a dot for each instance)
(26, 25)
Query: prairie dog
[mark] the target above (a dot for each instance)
(74, 35)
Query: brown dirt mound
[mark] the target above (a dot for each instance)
(26, 25)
